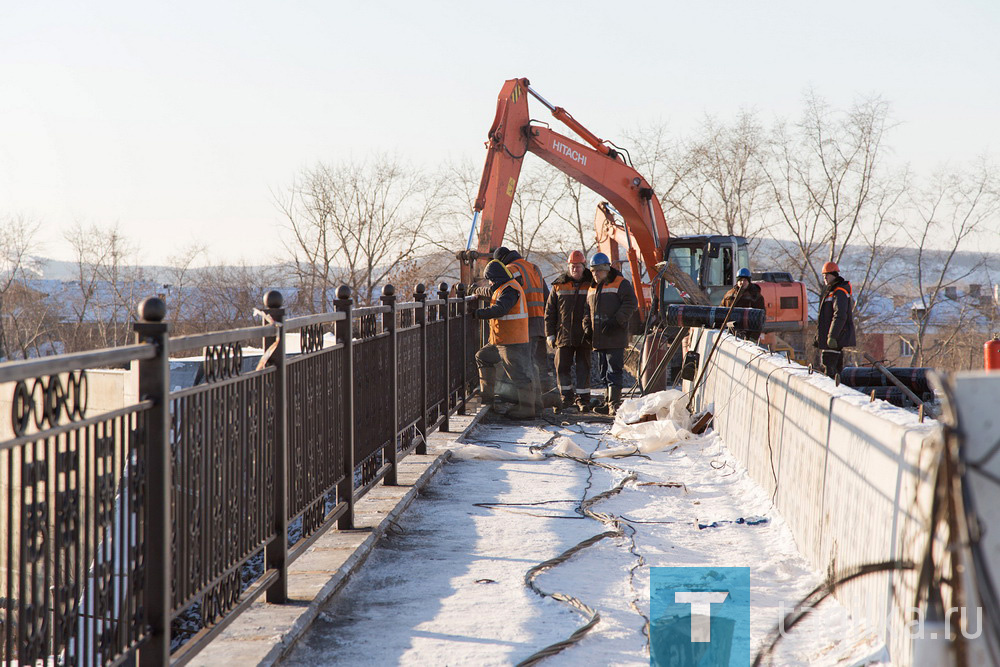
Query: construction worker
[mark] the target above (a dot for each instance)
(835, 324)
(536, 291)
(508, 321)
(564, 314)
(745, 295)
(610, 304)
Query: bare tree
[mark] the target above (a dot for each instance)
(722, 186)
(25, 317)
(950, 211)
(225, 296)
(106, 289)
(353, 223)
(182, 278)
(832, 192)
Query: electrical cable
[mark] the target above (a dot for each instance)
(618, 530)
(820, 593)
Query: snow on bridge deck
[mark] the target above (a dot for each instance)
(447, 588)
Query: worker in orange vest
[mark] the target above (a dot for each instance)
(564, 312)
(835, 323)
(509, 341)
(537, 292)
(610, 304)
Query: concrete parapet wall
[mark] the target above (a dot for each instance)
(851, 478)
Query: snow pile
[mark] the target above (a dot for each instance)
(671, 425)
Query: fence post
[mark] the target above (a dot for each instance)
(154, 385)
(462, 312)
(277, 550)
(420, 296)
(345, 334)
(443, 294)
(389, 324)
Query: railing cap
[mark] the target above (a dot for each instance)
(344, 292)
(388, 290)
(273, 299)
(152, 309)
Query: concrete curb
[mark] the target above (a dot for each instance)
(265, 633)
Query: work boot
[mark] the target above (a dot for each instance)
(487, 380)
(551, 399)
(616, 399)
(526, 407)
(583, 402)
(567, 400)
(606, 408)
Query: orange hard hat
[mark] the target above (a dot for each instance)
(831, 267)
(576, 257)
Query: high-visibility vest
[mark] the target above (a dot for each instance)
(607, 288)
(534, 288)
(511, 328)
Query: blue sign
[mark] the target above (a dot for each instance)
(699, 617)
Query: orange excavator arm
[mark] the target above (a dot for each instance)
(597, 166)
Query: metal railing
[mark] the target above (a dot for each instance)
(140, 533)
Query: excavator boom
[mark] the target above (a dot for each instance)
(597, 166)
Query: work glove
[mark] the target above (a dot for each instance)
(551, 340)
(816, 341)
(480, 314)
(607, 326)
(831, 343)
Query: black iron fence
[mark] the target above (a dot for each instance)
(138, 533)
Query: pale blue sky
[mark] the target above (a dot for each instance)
(178, 119)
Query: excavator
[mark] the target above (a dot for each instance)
(665, 269)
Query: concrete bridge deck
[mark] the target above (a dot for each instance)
(446, 586)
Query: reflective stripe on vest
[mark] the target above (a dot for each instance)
(511, 328)
(829, 297)
(608, 287)
(533, 289)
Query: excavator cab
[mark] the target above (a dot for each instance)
(711, 261)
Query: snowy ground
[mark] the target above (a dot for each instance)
(448, 587)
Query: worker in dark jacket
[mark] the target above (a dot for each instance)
(537, 292)
(564, 313)
(745, 295)
(835, 324)
(610, 304)
(508, 321)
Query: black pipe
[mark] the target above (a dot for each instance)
(915, 379)
(713, 317)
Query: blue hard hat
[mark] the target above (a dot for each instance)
(743, 273)
(599, 258)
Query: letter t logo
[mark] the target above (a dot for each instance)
(701, 611)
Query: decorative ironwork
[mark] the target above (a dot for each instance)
(83, 520)
(73, 548)
(405, 318)
(223, 361)
(222, 441)
(311, 338)
(455, 360)
(48, 401)
(437, 392)
(409, 376)
(367, 324)
(317, 436)
(373, 427)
